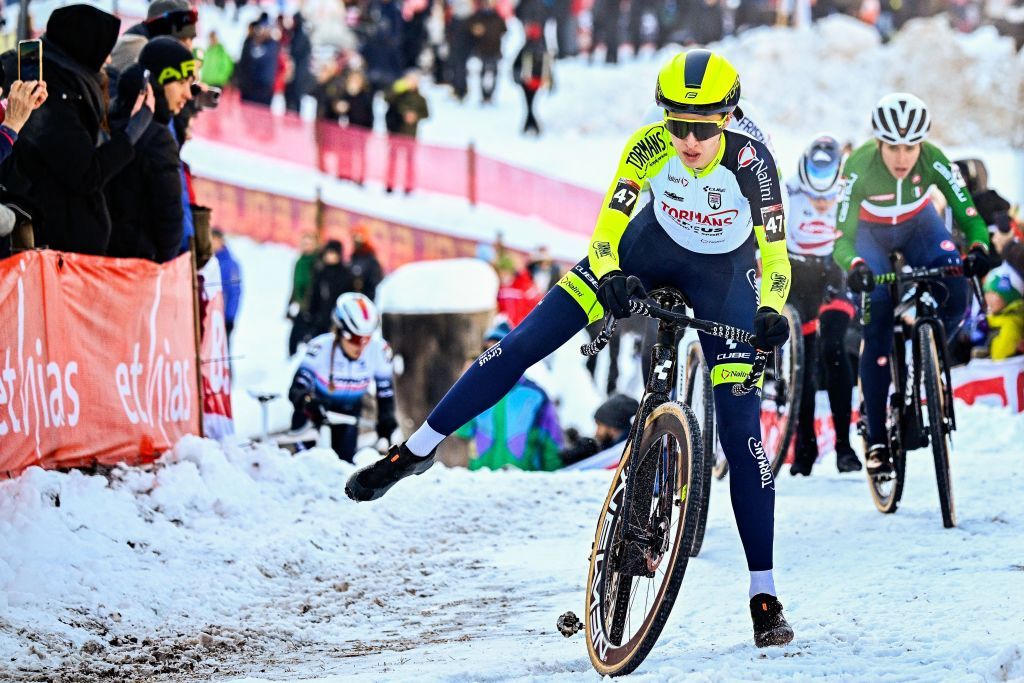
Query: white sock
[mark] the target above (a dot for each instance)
(762, 582)
(424, 440)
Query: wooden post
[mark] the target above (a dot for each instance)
(321, 214)
(198, 334)
(471, 173)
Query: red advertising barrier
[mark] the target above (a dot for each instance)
(98, 359)
(359, 155)
(267, 217)
(215, 364)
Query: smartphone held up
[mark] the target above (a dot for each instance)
(30, 60)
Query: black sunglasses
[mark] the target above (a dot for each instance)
(702, 130)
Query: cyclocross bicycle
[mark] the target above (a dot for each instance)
(646, 528)
(920, 408)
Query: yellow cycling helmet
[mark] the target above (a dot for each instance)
(698, 82)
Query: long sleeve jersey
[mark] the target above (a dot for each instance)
(873, 195)
(711, 211)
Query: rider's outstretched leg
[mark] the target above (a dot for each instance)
(559, 316)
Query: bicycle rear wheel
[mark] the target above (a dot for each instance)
(637, 564)
(938, 428)
(886, 491)
(780, 399)
(700, 398)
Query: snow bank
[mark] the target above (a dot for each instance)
(464, 285)
(250, 562)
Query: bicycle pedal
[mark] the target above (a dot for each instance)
(569, 624)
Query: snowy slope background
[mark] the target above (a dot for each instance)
(241, 563)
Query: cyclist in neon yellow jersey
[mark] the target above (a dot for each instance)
(716, 199)
(885, 206)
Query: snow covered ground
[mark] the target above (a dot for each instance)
(239, 563)
(249, 565)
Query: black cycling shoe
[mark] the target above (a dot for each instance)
(801, 467)
(373, 481)
(770, 627)
(877, 460)
(846, 459)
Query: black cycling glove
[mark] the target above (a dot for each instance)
(771, 329)
(615, 291)
(977, 262)
(860, 279)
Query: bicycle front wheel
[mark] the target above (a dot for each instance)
(938, 429)
(637, 564)
(780, 399)
(700, 398)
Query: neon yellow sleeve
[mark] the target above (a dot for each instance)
(776, 274)
(646, 151)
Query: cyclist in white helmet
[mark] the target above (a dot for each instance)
(820, 297)
(337, 370)
(885, 206)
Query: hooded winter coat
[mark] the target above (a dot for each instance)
(62, 160)
(145, 197)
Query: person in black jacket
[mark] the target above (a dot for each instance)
(487, 27)
(300, 49)
(331, 278)
(366, 270)
(145, 198)
(532, 71)
(63, 158)
(355, 104)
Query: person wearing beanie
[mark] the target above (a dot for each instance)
(331, 278)
(174, 18)
(1003, 287)
(145, 198)
(522, 430)
(63, 158)
(612, 421)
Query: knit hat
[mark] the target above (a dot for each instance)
(617, 412)
(175, 18)
(1000, 282)
(86, 33)
(126, 51)
(335, 246)
(167, 60)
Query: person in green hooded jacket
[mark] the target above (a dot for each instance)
(217, 63)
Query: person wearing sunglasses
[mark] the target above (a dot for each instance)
(336, 373)
(885, 206)
(819, 294)
(717, 199)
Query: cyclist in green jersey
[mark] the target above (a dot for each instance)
(885, 206)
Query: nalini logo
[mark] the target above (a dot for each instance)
(763, 465)
(747, 156)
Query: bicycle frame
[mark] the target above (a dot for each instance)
(915, 291)
(660, 383)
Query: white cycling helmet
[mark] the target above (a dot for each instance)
(900, 118)
(355, 314)
(819, 168)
